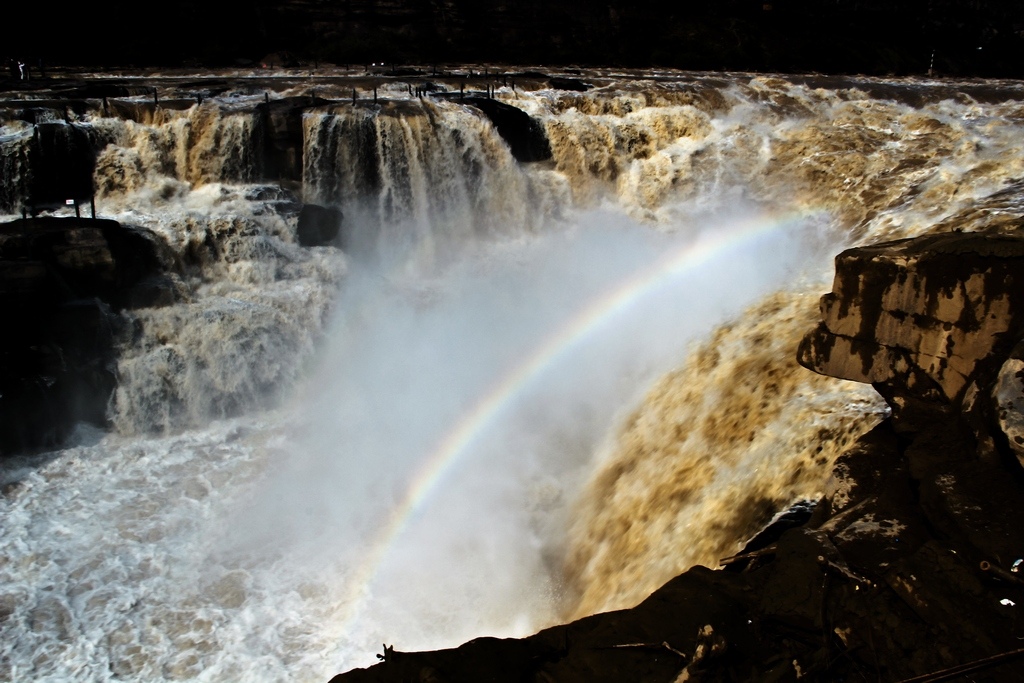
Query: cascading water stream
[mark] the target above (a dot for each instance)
(471, 436)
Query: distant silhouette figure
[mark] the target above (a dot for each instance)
(21, 70)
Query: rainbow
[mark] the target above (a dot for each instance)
(447, 452)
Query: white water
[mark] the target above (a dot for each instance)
(260, 548)
(225, 553)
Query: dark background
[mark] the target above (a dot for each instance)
(828, 36)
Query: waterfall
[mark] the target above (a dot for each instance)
(424, 177)
(523, 392)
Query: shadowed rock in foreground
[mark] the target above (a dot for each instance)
(907, 566)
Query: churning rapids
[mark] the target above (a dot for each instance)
(533, 391)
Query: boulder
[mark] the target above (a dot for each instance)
(1008, 400)
(318, 225)
(573, 84)
(51, 260)
(921, 318)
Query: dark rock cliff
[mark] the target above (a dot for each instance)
(525, 135)
(909, 564)
(62, 281)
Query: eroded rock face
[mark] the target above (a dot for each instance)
(921, 318)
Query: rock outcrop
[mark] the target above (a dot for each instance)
(909, 564)
(282, 136)
(524, 134)
(573, 84)
(921, 318)
(61, 159)
(318, 225)
(62, 280)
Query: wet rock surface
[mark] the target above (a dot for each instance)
(524, 134)
(282, 136)
(62, 281)
(909, 564)
(318, 225)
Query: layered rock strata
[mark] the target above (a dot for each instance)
(921, 318)
(907, 567)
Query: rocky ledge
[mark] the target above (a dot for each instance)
(908, 567)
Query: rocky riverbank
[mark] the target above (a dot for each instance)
(907, 567)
